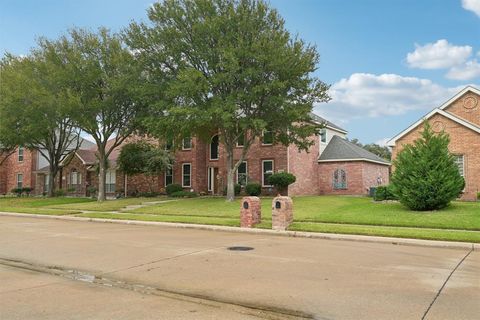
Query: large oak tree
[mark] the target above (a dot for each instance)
(227, 67)
(104, 77)
(36, 107)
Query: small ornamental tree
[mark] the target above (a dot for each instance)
(144, 158)
(426, 176)
(281, 181)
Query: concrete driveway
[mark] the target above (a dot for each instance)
(115, 269)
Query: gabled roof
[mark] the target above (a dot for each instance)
(339, 149)
(327, 123)
(441, 110)
(87, 156)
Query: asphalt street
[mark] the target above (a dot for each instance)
(53, 269)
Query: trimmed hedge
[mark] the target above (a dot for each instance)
(184, 194)
(253, 189)
(172, 188)
(384, 193)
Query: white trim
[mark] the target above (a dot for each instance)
(210, 179)
(18, 154)
(463, 165)
(358, 159)
(19, 174)
(440, 110)
(458, 95)
(263, 171)
(246, 171)
(165, 177)
(183, 175)
(183, 144)
(261, 138)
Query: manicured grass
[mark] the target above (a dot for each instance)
(335, 209)
(109, 205)
(164, 218)
(35, 202)
(329, 214)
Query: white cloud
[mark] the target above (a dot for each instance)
(364, 95)
(472, 5)
(438, 55)
(467, 71)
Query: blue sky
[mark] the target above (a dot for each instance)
(389, 62)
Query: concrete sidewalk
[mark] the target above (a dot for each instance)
(324, 279)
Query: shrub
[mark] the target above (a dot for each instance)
(384, 193)
(281, 181)
(478, 195)
(71, 190)
(60, 193)
(184, 194)
(426, 176)
(27, 190)
(17, 191)
(150, 194)
(238, 189)
(171, 188)
(253, 189)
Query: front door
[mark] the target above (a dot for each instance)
(213, 182)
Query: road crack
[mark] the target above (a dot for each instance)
(445, 283)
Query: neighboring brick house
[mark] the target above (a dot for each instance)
(460, 118)
(17, 170)
(201, 166)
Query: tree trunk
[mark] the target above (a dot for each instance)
(230, 175)
(102, 176)
(51, 184)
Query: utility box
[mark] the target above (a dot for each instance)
(250, 212)
(282, 213)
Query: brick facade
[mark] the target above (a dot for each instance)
(360, 177)
(13, 166)
(463, 141)
(312, 176)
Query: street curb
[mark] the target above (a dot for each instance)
(295, 234)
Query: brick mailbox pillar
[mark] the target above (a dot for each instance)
(250, 212)
(282, 213)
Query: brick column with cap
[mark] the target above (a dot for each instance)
(250, 212)
(282, 213)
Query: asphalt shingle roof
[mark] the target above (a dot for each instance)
(319, 119)
(341, 149)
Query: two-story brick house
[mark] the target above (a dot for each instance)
(460, 118)
(332, 165)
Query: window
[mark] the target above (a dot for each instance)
(241, 140)
(460, 164)
(267, 171)
(110, 181)
(75, 178)
(186, 175)
(242, 173)
(323, 135)
(214, 148)
(339, 179)
(168, 176)
(21, 151)
(267, 137)
(169, 145)
(187, 143)
(19, 180)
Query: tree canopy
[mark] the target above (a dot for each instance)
(227, 67)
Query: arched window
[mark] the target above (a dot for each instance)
(214, 148)
(339, 179)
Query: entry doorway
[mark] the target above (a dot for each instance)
(213, 182)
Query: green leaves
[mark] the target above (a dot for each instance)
(426, 176)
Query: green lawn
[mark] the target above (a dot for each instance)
(329, 214)
(109, 205)
(334, 209)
